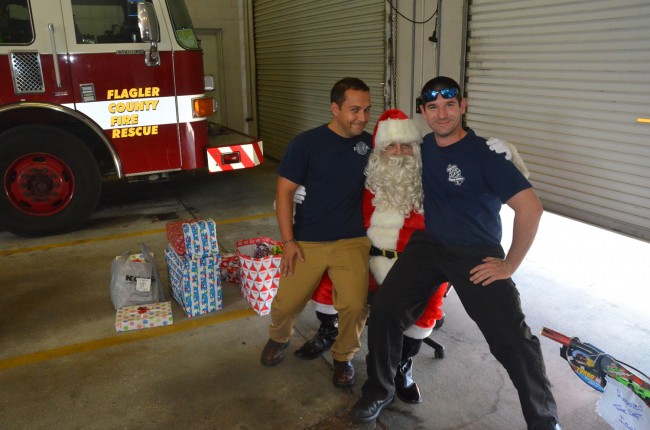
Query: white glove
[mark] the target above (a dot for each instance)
(504, 147)
(299, 195)
(499, 146)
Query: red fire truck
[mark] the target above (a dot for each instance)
(91, 89)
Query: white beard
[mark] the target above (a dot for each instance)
(395, 181)
(383, 232)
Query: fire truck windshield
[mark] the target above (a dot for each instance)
(183, 28)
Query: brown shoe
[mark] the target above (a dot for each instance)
(343, 374)
(273, 352)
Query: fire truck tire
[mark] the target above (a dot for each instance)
(51, 181)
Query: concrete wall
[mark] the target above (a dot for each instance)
(452, 39)
(419, 58)
(229, 16)
(416, 54)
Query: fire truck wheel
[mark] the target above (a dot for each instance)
(51, 181)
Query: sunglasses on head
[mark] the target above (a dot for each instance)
(431, 95)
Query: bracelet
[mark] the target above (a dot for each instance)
(284, 242)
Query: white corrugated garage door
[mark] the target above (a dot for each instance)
(569, 83)
(302, 47)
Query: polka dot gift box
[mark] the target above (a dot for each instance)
(138, 317)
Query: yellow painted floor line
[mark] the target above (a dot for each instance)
(120, 236)
(123, 338)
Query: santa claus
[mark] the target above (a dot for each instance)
(392, 210)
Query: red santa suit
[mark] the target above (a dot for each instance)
(388, 230)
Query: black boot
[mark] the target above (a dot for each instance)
(439, 323)
(405, 387)
(323, 339)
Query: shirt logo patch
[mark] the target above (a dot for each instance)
(455, 175)
(361, 148)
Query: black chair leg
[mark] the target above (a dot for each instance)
(439, 350)
(449, 287)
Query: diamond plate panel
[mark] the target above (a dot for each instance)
(27, 72)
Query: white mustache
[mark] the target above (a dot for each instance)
(399, 160)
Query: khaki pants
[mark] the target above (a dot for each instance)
(346, 262)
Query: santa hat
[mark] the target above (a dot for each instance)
(395, 126)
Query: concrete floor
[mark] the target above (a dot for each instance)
(63, 366)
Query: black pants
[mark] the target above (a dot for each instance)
(495, 308)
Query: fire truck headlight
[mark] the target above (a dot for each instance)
(203, 107)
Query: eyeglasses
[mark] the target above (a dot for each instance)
(431, 95)
(402, 146)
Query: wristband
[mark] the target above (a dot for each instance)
(284, 242)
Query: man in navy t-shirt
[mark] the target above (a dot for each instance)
(327, 233)
(465, 184)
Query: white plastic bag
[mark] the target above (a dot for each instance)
(135, 279)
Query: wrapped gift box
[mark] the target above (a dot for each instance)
(259, 276)
(230, 268)
(144, 316)
(195, 282)
(193, 238)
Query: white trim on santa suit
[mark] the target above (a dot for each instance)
(383, 232)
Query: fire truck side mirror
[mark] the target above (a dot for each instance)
(149, 32)
(148, 23)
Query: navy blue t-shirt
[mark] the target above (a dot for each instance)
(331, 169)
(465, 185)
